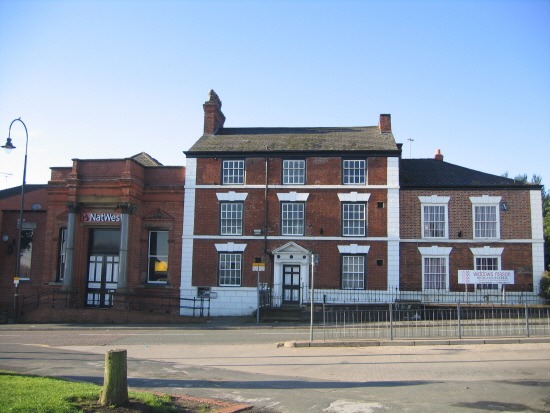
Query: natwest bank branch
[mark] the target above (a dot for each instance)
(112, 242)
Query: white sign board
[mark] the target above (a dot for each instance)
(259, 266)
(485, 277)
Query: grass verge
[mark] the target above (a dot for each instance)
(20, 393)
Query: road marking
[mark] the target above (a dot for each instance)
(280, 334)
(126, 334)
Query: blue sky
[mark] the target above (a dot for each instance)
(109, 79)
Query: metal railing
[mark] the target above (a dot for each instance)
(200, 307)
(457, 321)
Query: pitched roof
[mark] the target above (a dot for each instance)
(364, 138)
(16, 190)
(145, 159)
(432, 173)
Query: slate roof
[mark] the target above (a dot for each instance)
(431, 173)
(145, 159)
(16, 190)
(363, 138)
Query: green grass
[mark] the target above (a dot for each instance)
(20, 393)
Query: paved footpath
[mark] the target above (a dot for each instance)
(383, 378)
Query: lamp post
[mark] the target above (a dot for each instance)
(8, 147)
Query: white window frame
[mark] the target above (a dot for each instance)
(159, 257)
(233, 171)
(355, 178)
(294, 172)
(292, 225)
(438, 253)
(486, 201)
(488, 252)
(437, 201)
(230, 277)
(231, 225)
(358, 277)
(362, 227)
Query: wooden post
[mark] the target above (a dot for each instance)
(115, 383)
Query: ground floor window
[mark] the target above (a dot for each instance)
(62, 254)
(157, 271)
(353, 272)
(230, 269)
(27, 236)
(487, 264)
(435, 273)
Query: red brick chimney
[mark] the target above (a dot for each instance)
(213, 116)
(438, 156)
(385, 123)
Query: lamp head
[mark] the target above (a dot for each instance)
(8, 146)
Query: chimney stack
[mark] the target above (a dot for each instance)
(438, 156)
(213, 116)
(385, 123)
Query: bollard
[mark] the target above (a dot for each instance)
(115, 383)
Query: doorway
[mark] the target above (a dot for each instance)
(291, 284)
(103, 260)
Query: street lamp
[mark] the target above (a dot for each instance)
(8, 147)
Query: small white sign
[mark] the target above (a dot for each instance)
(260, 266)
(485, 277)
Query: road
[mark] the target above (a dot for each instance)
(245, 365)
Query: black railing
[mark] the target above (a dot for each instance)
(170, 305)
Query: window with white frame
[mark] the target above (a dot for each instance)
(435, 221)
(231, 218)
(353, 272)
(353, 220)
(230, 269)
(158, 257)
(486, 216)
(292, 218)
(435, 267)
(233, 172)
(487, 264)
(294, 172)
(435, 273)
(354, 171)
(487, 259)
(485, 221)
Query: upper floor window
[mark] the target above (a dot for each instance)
(353, 220)
(231, 218)
(294, 172)
(434, 221)
(233, 172)
(353, 272)
(434, 216)
(354, 172)
(486, 216)
(158, 257)
(292, 218)
(485, 221)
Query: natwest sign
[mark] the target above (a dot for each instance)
(106, 217)
(485, 277)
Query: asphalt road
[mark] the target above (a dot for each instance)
(245, 365)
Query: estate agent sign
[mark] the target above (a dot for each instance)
(485, 277)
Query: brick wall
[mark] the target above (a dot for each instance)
(515, 222)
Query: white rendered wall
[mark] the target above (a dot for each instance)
(537, 234)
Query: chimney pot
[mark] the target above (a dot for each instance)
(438, 156)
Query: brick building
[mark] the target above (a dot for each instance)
(383, 228)
(109, 238)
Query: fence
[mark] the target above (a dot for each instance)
(200, 307)
(419, 321)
